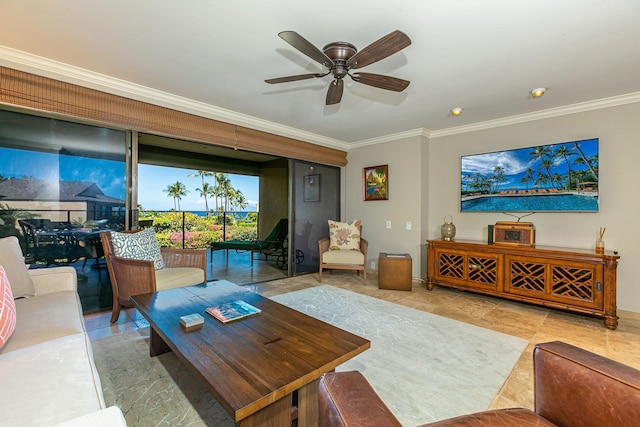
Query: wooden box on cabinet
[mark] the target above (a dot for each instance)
(577, 280)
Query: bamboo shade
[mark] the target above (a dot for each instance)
(18, 88)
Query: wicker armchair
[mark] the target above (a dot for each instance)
(337, 259)
(183, 267)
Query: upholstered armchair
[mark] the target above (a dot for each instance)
(344, 249)
(137, 265)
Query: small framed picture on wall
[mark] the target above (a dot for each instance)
(376, 182)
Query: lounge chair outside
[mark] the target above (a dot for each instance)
(269, 246)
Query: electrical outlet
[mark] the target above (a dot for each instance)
(388, 224)
(373, 265)
(408, 225)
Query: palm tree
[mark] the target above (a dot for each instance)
(497, 178)
(566, 153)
(205, 191)
(528, 177)
(222, 190)
(237, 199)
(176, 191)
(219, 190)
(588, 162)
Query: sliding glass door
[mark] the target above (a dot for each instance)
(57, 175)
(315, 198)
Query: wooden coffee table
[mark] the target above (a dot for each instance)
(263, 370)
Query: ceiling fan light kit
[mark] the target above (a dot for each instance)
(342, 57)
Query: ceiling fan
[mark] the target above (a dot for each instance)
(340, 58)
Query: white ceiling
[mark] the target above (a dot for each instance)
(212, 57)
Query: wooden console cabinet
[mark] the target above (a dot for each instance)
(576, 280)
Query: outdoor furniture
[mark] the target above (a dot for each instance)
(129, 276)
(345, 249)
(273, 244)
(52, 247)
(95, 251)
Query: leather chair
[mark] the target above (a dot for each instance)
(572, 387)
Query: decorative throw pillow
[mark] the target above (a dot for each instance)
(343, 235)
(7, 309)
(142, 245)
(12, 260)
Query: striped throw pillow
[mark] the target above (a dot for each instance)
(7, 309)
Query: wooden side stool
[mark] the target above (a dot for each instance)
(394, 271)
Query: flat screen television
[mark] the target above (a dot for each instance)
(559, 177)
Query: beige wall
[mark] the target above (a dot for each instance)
(618, 129)
(404, 204)
(434, 175)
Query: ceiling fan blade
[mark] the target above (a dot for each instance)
(380, 49)
(304, 46)
(294, 78)
(383, 82)
(334, 94)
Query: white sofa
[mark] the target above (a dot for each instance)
(48, 376)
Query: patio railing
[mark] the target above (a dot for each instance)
(179, 229)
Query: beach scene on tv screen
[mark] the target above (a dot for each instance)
(553, 177)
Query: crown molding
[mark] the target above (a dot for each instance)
(38, 65)
(34, 64)
(421, 132)
(597, 104)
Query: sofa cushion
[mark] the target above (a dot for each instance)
(344, 235)
(110, 417)
(12, 260)
(142, 245)
(343, 257)
(44, 318)
(7, 309)
(49, 383)
(177, 277)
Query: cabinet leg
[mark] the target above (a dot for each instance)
(611, 322)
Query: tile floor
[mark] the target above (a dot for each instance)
(535, 324)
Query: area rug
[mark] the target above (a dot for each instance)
(425, 367)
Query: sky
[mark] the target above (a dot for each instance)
(154, 179)
(110, 177)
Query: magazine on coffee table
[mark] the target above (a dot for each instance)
(231, 311)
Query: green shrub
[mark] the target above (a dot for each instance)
(200, 231)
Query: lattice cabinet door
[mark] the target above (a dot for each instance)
(574, 283)
(481, 270)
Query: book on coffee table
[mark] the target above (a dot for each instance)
(231, 311)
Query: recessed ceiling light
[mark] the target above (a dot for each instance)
(456, 111)
(537, 93)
